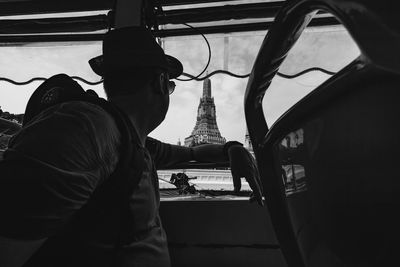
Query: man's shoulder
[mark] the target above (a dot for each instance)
(89, 112)
(73, 118)
(73, 130)
(84, 107)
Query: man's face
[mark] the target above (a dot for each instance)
(164, 94)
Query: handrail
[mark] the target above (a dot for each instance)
(54, 25)
(197, 165)
(223, 12)
(22, 31)
(8, 8)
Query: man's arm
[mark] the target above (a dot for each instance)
(241, 161)
(209, 153)
(166, 155)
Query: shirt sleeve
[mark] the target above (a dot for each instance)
(52, 167)
(166, 155)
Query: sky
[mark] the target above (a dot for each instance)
(330, 48)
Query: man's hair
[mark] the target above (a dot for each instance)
(125, 82)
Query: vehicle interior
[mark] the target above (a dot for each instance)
(318, 97)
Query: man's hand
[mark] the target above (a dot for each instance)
(241, 161)
(243, 165)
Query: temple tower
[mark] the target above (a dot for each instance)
(206, 130)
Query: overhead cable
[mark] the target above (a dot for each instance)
(286, 76)
(209, 56)
(197, 77)
(192, 77)
(43, 79)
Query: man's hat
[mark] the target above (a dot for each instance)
(133, 47)
(56, 89)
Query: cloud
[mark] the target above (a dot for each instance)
(327, 47)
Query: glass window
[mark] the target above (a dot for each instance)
(328, 48)
(23, 62)
(291, 160)
(230, 52)
(234, 53)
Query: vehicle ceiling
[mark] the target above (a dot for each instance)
(87, 20)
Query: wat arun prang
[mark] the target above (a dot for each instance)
(206, 129)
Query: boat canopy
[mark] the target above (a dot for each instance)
(84, 20)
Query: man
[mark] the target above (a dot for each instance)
(63, 205)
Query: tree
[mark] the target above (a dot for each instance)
(10, 116)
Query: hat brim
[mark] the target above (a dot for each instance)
(174, 68)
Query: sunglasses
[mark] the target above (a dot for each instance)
(171, 87)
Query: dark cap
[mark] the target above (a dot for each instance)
(133, 47)
(56, 89)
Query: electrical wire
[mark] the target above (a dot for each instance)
(43, 79)
(286, 76)
(190, 76)
(209, 57)
(22, 83)
(196, 78)
(216, 72)
(86, 81)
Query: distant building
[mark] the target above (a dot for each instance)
(206, 130)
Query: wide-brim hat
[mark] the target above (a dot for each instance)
(130, 48)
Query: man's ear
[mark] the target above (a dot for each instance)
(161, 84)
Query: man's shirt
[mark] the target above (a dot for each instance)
(55, 163)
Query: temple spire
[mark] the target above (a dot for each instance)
(207, 87)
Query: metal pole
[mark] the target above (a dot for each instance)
(128, 13)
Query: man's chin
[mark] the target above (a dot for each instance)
(156, 125)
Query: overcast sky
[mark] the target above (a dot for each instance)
(330, 48)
